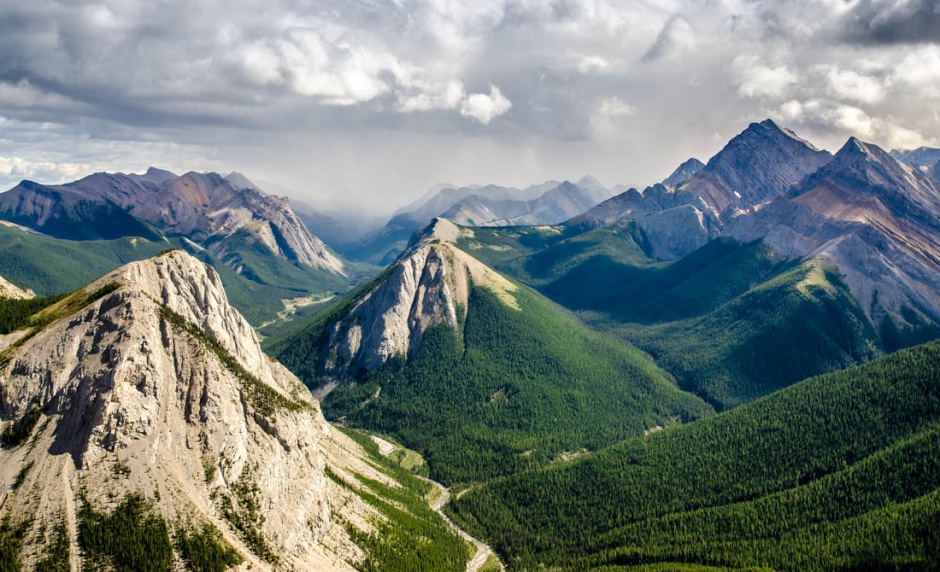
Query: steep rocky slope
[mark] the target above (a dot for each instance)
(10, 290)
(203, 207)
(757, 165)
(429, 286)
(875, 218)
(147, 387)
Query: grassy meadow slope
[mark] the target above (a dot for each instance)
(838, 472)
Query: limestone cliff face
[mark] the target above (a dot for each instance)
(428, 286)
(149, 382)
(10, 290)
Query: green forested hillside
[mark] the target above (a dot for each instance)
(54, 266)
(508, 391)
(729, 321)
(839, 472)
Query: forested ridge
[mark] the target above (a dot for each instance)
(840, 471)
(508, 390)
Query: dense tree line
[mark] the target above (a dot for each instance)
(839, 471)
(729, 321)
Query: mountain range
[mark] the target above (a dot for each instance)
(205, 208)
(57, 238)
(731, 369)
(551, 202)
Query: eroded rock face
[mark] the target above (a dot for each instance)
(429, 286)
(10, 290)
(876, 219)
(160, 387)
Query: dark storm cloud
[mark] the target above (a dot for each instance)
(892, 22)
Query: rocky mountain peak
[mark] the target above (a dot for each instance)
(757, 165)
(153, 175)
(684, 172)
(148, 383)
(429, 285)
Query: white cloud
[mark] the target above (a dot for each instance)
(851, 120)
(17, 168)
(758, 80)
(920, 70)
(593, 64)
(485, 107)
(615, 107)
(850, 85)
(447, 96)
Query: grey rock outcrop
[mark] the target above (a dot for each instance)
(428, 286)
(683, 172)
(10, 290)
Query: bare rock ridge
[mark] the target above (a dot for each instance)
(875, 218)
(148, 382)
(429, 285)
(683, 172)
(757, 165)
(10, 290)
(203, 207)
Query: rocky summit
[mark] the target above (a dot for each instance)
(147, 389)
(429, 285)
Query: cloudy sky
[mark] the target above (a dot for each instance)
(371, 102)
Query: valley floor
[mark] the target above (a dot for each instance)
(484, 554)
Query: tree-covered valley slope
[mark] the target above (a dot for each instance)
(838, 472)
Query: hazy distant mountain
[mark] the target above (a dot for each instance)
(556, 205)
(920, 157)
(683, 172)
(205, 208)
(550, 202)
(927, 159)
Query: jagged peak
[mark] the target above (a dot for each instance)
(855, 150)
(683, 172)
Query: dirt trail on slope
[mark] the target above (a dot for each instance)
(483, 551)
